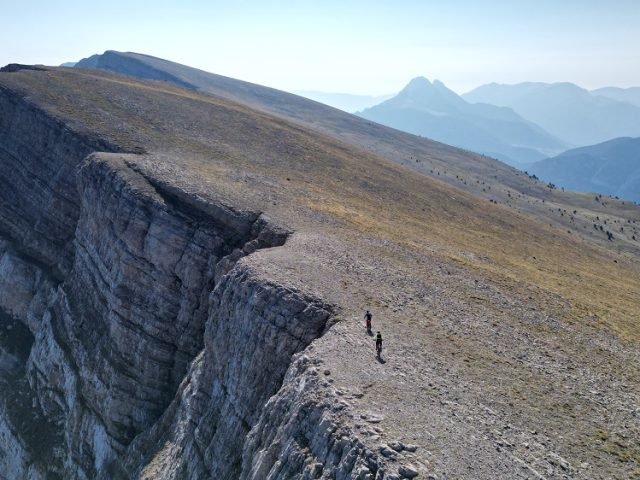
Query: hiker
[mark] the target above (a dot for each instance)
(367, 317)
(378, 340)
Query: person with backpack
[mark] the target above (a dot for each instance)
(378, 340)
(367, 318)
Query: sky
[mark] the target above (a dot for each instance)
(361, 47)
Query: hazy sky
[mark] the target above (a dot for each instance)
(368, 47)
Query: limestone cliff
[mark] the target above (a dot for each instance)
(128, 317)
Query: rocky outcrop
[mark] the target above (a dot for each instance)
(39, 205)
(300, 434)
(135, 341)
(254, 328)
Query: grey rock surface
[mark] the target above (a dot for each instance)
(140, 327)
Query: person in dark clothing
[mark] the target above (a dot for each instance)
(378, 339)
(367, 318)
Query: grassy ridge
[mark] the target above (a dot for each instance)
(227, 146)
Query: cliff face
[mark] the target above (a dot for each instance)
(255, 327)
(134, 340)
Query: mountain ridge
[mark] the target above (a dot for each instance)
(629, 95)
(566, 110)
(478, 174)
(431, 109)
(610, 168)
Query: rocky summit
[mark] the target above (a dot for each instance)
(186, 259)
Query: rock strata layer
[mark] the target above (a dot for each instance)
(135, 341)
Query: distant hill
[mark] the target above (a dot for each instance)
(612, 168)
(129, 64)
(432, 110)
(567, 111)
(629, 95)
(400, 146)
(68, 64)
(344, 101)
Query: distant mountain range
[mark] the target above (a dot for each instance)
(432, 110)
(611, 168)
(344, 101)
(629, 95)
(569, 112)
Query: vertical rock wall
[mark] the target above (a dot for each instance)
(39, 205)
(39, 209)
(134, 340)
(254, 328)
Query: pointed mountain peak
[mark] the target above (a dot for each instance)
(418, 84)
(419, 81)
(435, 96)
